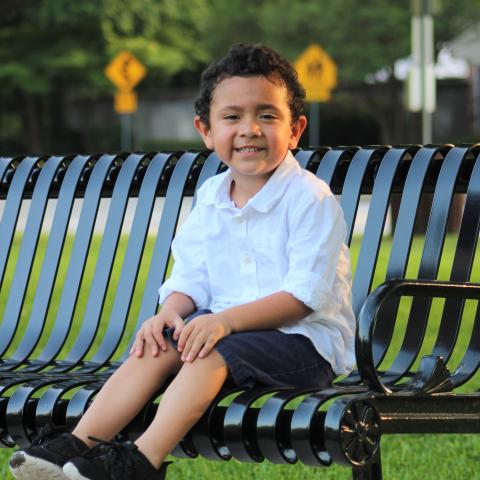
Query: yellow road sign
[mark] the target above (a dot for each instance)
(125, 102)
(125, 71)
(317, 72)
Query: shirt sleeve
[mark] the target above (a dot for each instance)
(189, 273)
(317, 232)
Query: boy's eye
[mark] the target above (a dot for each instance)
(268, 116)
(230, 116)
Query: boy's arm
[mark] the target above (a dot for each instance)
(178, 303)
(269, 312)
(189, 273)
(200, 335)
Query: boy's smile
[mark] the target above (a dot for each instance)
(251, 127)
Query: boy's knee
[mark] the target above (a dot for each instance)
(170, 356)
(212, 360)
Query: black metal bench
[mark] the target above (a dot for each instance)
(62, 334)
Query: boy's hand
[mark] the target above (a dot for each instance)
(200, 335)
(151, 332)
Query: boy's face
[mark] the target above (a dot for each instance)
(251, 127)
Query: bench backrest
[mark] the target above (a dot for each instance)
(49, 307)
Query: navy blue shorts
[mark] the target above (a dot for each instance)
(270, 357)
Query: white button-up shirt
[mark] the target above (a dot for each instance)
(288, 237)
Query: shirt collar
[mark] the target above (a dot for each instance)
(263, 200)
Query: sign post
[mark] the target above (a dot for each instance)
(421, 80)
(317, 72)
(125, 71)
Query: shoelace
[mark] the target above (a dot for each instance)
(116, 456)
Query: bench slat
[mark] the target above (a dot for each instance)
(461, 271)
(352, 187)
(329, 162)
(11, 211)
(56, 240)
(31, 234)
(76, 266)
(402, 242)
(132, 260)
(437, 223)
(429, 264)
(372, 237)
(166, 230)
(105, 260)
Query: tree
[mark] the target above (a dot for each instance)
(53, 49)
(363, 37)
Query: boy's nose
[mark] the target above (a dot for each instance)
(250, 127)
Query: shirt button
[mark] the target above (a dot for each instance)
(247, 259)
(238, 220)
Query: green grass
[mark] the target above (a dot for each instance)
(407, 457)
(403, 456)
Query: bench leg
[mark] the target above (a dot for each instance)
(372, 472)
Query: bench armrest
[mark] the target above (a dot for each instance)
(367, 320)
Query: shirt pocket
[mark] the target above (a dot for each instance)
(267, 241)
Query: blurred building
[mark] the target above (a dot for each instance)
(467, 46)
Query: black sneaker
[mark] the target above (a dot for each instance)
(45, 457)
(113, 461)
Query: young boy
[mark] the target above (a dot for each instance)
(261, 274)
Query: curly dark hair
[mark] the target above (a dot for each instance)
(245, 60)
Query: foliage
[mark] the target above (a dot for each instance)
(164, 34)
(53, 52)
(362, 37)
(43, 42)
(65, 41)
(453, 17)
(341, 28)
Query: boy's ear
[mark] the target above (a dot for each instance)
(298, 126)
(204, 131)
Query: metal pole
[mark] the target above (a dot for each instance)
(314, 124)
(426, 62)
(426, 127)
(126, 132)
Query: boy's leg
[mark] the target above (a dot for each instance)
(121, 398)
(125, 393)
(182, 405)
